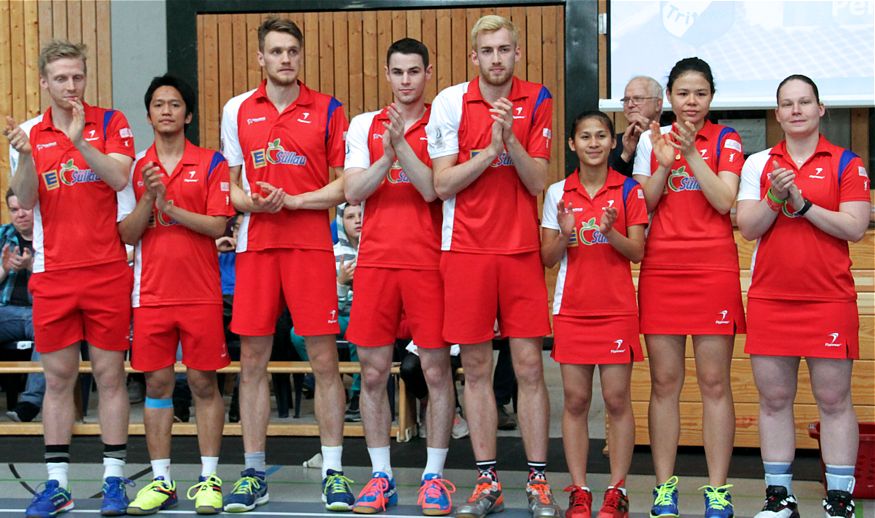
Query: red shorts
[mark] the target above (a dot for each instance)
(307, 280)
(91, 303)
(478, 288)
(596, 340)
(384, 295)
(158, 331)
(679, 302)
(799, 328)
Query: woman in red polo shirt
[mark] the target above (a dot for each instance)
(803, 200)
(689, 279)
(594, 224)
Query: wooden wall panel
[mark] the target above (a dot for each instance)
(24, 27)
(344, 55)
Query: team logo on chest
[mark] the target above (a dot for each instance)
(501, 160)
(590, 235)
(680, 180)
(276, 154)
(396, 174)
(69, 175)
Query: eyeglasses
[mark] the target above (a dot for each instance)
(636, 100)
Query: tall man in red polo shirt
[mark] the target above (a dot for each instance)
(72, 162)
(489, 141)
(387, 165)
(280, 141)
(183, 204)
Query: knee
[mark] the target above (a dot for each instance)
(831, 402)
(714, 385)
(110, 379)
(577, 404)
(665, 385)
(374, 378)
(60, 382)
(437, 376)
(776, 400)
(203, 386)
(617, 402)
(529, 373)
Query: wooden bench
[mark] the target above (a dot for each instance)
(403, 430)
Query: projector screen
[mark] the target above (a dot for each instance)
(751, 46)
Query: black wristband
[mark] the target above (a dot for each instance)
(805, 206)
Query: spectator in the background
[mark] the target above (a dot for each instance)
(16, 311)
(349, 227)
(642, 103)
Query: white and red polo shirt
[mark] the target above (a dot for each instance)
(292, 150)
(173, 264)
(495, 214)
(399, 228)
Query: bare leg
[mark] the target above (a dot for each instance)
(480, 399)
(254, 391)
(666, 354)
(376, 418)
(577, 387)
(108, 368)
(534, 404)
(330, 399)
(775, 377)
(839, 431)
(158, 421)
(61, 370)
(617, 392)
(442, 399)
(713, 364)
(210, 411)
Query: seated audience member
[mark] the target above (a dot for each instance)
(642, 104)
(16, 313)
(349, 227)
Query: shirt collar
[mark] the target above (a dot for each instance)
(383, 116)
(47, 124)
(305, 95)
(516, 90)
(190, 156)
(613, 180)
(823, 147)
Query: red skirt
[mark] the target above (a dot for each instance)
(799, 328)
(596, 340)
(682, 302)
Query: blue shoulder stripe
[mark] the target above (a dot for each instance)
(628, 185)
(720, 138)
(543, 95)
(333, 105)
(847, 156)
(217, 159)
(107, 116)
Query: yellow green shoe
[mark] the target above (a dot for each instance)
(207, 495)
(157, 496)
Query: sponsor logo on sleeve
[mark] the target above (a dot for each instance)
(254, 120)
(125, 133)
(225, 186)
(732, 144)
(862, 172)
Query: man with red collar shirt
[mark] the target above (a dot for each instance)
(72, 162)
(280, 141)
(183, 203)
(489, 141)
(387, 165)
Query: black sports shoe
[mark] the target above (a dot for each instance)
(23, 412)
(778, 504)
(839, 503)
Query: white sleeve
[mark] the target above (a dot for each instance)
(126, 200)
(357, 153)
(230, 147)
(443, 123)
(643, 153)
(751, 173)
(551, 200)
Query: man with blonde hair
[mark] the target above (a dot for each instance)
(489, 141)
(71, 166)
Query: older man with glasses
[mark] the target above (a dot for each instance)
(642, 103)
